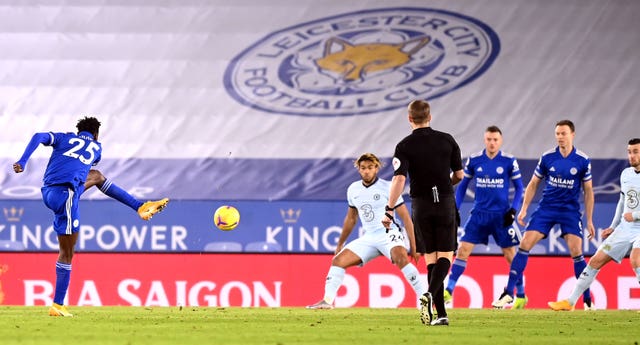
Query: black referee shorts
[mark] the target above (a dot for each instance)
(435, 224)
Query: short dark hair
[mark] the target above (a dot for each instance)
(493, 129)
(634, 141)
(567, 123)
(88, 124)
(419, 111)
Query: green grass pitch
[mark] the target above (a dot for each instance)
(284, 326)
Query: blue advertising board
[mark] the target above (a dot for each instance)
(187, 226)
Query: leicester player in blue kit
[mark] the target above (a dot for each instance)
(564, 171)
(492, 214)
(621, 237)
(67, 176)
(367, 199)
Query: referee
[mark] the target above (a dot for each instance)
(429, 156)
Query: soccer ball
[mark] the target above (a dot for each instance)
(226, 218)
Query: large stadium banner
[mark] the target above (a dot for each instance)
(211, 100)
(284, 280)
(187, 226)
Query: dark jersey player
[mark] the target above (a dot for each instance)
(432, 161)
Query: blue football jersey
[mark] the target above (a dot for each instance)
(492, 179)
(563, 178)
(72, 157)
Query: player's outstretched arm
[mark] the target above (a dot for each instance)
(37, 139)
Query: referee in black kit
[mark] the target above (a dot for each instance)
(429, 157)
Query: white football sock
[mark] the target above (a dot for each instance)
(412, 276)
(333, 282)
(586, 278)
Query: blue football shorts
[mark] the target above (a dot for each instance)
(543, 220)
(483, 224)
(63, 201)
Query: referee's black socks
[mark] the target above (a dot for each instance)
(436, 273)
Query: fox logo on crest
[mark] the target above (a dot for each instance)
(346, 62)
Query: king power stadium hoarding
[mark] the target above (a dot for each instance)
(187, 226)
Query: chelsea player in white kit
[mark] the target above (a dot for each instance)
(367, 199)
(492, 215)
(67, 176)
(564, 170)
(621, 237)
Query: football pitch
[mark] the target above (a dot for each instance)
(283, 326)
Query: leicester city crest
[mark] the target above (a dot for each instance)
(361, 62)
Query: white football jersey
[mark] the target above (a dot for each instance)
(630, 188)
(370, 202)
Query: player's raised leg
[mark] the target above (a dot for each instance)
(145, 210)
(150, 208)
(615, 250)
